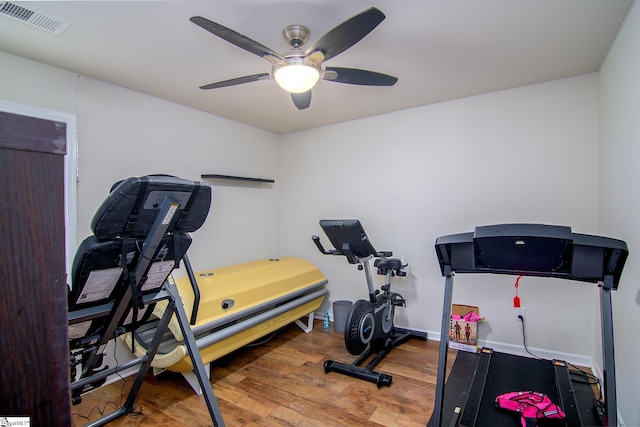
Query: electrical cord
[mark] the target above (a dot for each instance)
(582, 376)
(101, 411)
(136, 410)
(576, 374)
(524, 339)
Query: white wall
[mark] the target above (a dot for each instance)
(30, 83)
(122, 133)
(619, 200)
(522, 155)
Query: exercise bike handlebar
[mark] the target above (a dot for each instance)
(321, 248)
(346, 251)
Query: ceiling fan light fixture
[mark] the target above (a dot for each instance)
(297, 71)
(296, 75)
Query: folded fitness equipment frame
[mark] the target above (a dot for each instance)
(120, 273)
(531, 250)
(369, 323)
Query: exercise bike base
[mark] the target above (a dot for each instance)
(379, 378)
(367, 373)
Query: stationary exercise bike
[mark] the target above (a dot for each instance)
(370, 322)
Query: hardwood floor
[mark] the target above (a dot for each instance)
(282, 383)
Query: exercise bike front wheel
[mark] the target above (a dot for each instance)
(360, 327)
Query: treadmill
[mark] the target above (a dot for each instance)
(528, 250)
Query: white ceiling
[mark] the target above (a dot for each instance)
(439, 49)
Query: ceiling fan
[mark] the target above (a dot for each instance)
(297, 71)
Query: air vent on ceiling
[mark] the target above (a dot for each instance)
(33, 18)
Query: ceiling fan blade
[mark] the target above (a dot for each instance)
(237, 39)
(302, 100)
(354, 76)
(237, 81)
(345, 35)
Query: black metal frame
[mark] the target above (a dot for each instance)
(354, 244)
(366, 372)
(114, 312)
(586, 258)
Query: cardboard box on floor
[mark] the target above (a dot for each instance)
(464, 335)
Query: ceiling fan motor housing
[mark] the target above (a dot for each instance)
(296, 35)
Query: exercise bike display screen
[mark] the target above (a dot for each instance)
(348, 235)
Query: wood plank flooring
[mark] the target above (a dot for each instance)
(282, 383)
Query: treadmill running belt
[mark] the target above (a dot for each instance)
(513, 373)
(509, 373)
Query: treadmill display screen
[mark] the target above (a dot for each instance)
(534, 249)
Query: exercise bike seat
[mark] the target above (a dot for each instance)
(387, 264)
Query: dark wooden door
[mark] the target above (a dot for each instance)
(34, 360)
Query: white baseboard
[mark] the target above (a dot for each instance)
(518, 350)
